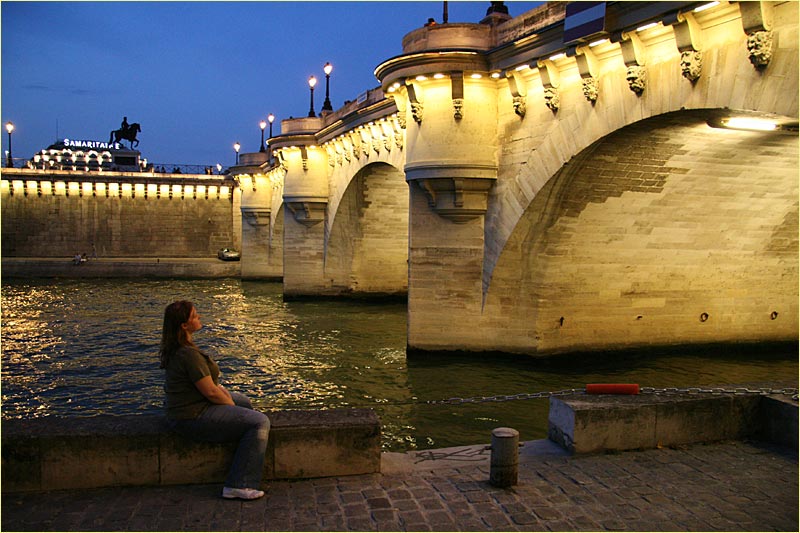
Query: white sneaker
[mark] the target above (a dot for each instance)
(242, 494)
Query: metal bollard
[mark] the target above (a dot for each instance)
(504, 464)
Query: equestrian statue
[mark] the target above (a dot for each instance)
(127, 132)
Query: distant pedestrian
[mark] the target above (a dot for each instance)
(200, 408)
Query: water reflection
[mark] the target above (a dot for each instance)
(77, 348)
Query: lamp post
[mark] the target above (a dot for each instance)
(236, 147)
(263, 125)
(328, 68)
(311, 82)
(9, 129)
(271, 119)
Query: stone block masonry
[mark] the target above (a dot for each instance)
(121, 215)
(102, 451)
(607, 423)
(668, 231)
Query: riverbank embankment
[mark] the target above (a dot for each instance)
(119, 267)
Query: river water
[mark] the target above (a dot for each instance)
(84, 347)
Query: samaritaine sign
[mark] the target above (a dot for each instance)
(94, 145)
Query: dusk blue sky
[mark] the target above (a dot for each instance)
(197, 76)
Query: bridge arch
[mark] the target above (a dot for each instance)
(366, 252)
(728, 81)
(666, 231)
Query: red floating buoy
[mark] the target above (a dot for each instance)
(612, 388)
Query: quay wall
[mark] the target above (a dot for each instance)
(122, 215)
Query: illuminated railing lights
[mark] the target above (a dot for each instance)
(476, 76)
(705, 6)
(438, 76)
(647, 26)
(597, 43)
(558, 56)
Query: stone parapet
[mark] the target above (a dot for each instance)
(601, 423)
(106, 450)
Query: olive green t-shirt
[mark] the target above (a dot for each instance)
(186, 367)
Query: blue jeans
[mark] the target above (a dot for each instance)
(225, 423)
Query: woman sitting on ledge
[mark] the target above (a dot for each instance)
(200, 408)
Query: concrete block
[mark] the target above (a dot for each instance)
(705, 419)
(68, 453)
(183, 461)
(22, 464)
(584, 424)
(778, 420)
(597, 423)
(86, 461)
(348, 447)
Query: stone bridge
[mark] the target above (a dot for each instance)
(531, 187)
(638, 186)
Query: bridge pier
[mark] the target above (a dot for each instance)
(563, 194)
(262, 242)
(305, 199)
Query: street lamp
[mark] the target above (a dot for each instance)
(263, 125)
(271, 119)
(311, 82)
(9, 129)
(236, 147)
(328, 68)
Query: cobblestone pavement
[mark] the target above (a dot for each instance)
(732, 486)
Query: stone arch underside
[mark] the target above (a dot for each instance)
(536, 147)
(665, 232)
(366, 253)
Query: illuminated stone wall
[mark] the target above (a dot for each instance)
(64, 214)
(616, 215)
(367, 251)
(667, 231)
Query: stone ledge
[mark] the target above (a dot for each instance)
(599, 423)
(69, 453)
(132, 267)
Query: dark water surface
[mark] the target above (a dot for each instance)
(83, 347)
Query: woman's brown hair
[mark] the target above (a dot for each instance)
(173, 336)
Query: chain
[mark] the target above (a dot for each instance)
(642, 390)
(506, 398)
(764, 391)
